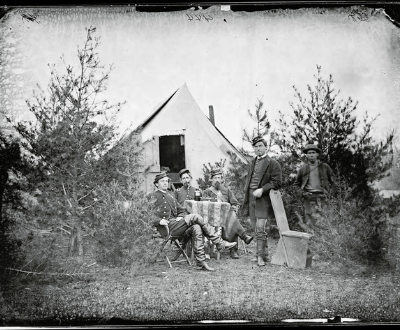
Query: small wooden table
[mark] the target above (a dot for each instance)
(214, 213)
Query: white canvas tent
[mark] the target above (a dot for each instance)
(178, 135)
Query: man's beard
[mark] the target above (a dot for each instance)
(187, 184)
(217, 185)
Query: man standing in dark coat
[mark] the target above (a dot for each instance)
(263, 175)
(170, 213)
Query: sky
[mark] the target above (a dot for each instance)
(228, 59)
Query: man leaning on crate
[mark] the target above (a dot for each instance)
(170, 213)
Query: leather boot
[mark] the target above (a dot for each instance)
(246, 238)
(205, 266)
(261, 251)
(211, 236)
(266, 255)
(207, 249)
(225, 245)
(215, 239)
(234, 252)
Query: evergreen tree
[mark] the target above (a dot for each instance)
(124, 213)
(262, 127)
(13, 166)
(236, 174)
(332, 124)
(72, 132)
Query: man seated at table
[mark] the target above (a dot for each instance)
(170, 213)
(232, 228)
(186, 192)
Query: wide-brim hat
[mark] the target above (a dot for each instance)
(160, 176)
(183, 171)
(311, 147)
(215, 172)
(258, 139)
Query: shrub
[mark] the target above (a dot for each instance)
(236, 175)
(10, 248)
(346, 142)
(124, 214)
(348, 233)
(125, 228)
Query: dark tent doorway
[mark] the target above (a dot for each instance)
(172, 156)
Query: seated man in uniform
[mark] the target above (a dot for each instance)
(186, 192)
(170, 213)
(232, 229)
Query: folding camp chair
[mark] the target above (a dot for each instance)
(292, 247)
(164, 233)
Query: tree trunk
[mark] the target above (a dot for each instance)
(80, 243)
(75, 246)
(72, 246)
(3, 181)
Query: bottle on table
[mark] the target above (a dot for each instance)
(197, 195)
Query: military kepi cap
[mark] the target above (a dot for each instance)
(160, 176)
(183, 171)
(215, 172)
(311, 146)
(258, 139)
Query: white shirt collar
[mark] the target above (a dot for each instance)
(261, 157)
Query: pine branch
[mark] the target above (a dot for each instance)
(89, 206)
(65, 193)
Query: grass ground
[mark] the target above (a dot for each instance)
(237, 290)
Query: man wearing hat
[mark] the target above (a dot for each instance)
(263, 175)
(232, 228)
(170, 213)
(186, 192)
(312, 181)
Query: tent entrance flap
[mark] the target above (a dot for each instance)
(172, 156)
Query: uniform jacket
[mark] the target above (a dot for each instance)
(166, 207)
(326, 176)
(227, 195)
(270, 177)
(183, 194)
